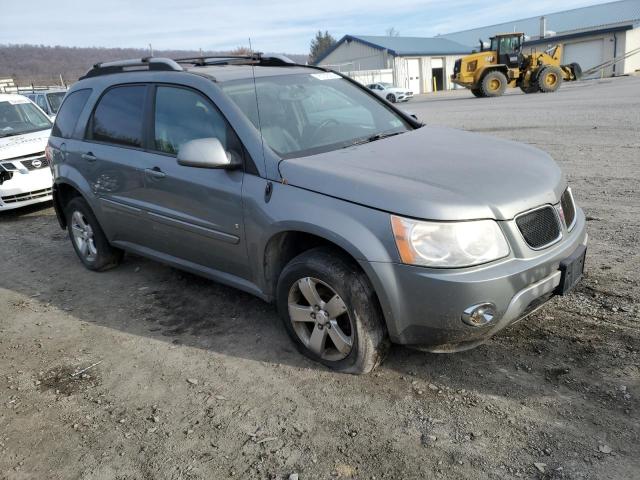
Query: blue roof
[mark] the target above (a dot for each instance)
(583, 19)
(400, 46)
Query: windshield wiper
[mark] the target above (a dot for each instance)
(372, 138)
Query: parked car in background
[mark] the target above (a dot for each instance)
(48, 100)
(302, 187)
(391, 93)
(25, 176)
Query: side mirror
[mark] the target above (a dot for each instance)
(206, 153)
(411, 114)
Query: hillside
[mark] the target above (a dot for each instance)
(43, 65)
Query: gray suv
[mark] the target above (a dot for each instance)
(304, 188)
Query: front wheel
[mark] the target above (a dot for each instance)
(494, 84)
(331, 312)
(391, 97)
(550, 79)
(88, 239)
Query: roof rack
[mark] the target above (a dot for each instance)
(253, 59)
(167, 64)
(133, 65)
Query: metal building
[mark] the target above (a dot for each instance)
(420, 64)
(591, 36)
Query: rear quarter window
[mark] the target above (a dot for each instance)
(69, 113)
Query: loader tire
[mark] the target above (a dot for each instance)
(493, 84)
(477, 92)
(532, 88)
(550, 79)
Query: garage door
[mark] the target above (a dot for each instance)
(587, 54)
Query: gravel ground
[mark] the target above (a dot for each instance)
(193, 380)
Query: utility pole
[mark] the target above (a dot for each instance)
(151, 50)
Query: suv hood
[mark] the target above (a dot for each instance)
(25, 144)
(434, 173)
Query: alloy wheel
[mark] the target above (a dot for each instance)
(83, 236)
(320, 318)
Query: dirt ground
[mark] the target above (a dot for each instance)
(190, 379)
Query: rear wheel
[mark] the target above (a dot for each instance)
(494, 84)
(391, 97)
(88, 239)
(550, 79)
(330, 311)
(477, 92)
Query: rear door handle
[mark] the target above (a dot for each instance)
(89, 157)
(154, 172)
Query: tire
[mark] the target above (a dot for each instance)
(477, 92)
(550, 79)
(493, 84)
(532, 88)
(391, 97)
(346, 325)
(88, 239)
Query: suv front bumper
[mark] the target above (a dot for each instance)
(423, 306)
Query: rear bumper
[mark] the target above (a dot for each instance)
(423, 307)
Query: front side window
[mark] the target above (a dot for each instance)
(69, 113)
(182, 115)
(305, 114)
(18, 116)
(55, 100)
(118, 118)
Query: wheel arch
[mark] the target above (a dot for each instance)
(286, 244)
(63, 192)
(502, 68)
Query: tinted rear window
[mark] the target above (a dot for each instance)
(119, 115)
(69, 112)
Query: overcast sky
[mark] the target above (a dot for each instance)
(273, 25)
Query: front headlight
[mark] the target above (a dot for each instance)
(471, 66)
(448, 244)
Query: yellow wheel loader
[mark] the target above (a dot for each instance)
(489, 72)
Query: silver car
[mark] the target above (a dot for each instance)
(300, 186)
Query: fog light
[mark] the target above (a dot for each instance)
(479, 315)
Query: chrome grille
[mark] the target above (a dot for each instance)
(568, 208)
(23, 197)
(540, 227)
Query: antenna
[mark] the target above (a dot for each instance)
(255, 90)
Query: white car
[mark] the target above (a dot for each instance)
(391, 93)
(25, 176)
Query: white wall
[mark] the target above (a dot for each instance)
(354, 55)
(366, 77)
(632, 41)
(401, 71)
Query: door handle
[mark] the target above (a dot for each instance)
(89, 157)
(155, 172)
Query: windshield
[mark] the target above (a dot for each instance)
(386, 85)
(21, 116)
(55, 100)
(305, 114)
